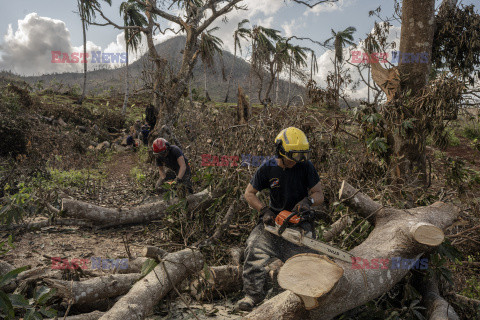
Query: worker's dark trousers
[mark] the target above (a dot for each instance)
(262, 246)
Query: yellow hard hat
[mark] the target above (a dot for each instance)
(292, 144)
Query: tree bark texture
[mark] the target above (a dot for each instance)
(147, 292)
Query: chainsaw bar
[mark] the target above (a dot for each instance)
(298, 238)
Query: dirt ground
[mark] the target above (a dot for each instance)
(35, 248)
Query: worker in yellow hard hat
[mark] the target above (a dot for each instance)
(294, 185)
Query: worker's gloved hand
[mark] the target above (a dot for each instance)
(303, 205)
(268, 216)
(179, 180)
(159, 183)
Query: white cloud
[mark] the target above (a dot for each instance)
(289, 28)
(28, 50)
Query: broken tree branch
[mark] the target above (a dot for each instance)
(91, 290)
(147, 292)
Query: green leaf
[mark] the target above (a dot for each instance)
(148, 266)
(48, 312)
(43, 294)
(6, 306)
(18, 301)
(6, 278)
(206, 271)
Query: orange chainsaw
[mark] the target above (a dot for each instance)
(286, 219)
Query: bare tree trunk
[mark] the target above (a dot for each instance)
(125, 100)
(231, 72)
(147, 292)
(277, 89)
(289, 83)
(418, 23)
(84, 29)
(410, 232)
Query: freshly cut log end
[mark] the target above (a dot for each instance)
(310, 276)
(427, 234)
(153, 252)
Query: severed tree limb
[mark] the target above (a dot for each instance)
(336, 228)
(153, 252)
(113, 217)
(91, 290)
(147, 292)
(395, 235)
(474, 303)
(437, 307)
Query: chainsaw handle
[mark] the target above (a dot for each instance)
(285, 222)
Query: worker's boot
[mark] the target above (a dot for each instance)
(247, 303)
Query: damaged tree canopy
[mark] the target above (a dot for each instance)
(397, 233)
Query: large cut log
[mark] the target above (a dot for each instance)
(147, 292)
(310, 276)
(396, 234)
(120, 216)
(91, 290)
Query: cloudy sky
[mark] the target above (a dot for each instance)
(30, 30)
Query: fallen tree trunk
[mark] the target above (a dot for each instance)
(437, 307)
(113, 217)
(147, 292)
(397, 233)
(91, 290)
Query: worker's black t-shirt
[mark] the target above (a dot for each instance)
(287, 186)
(170, 161)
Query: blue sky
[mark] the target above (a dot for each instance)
(54, 25)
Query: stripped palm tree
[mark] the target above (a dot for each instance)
(297, 59)
(209, 46)
(264, 48)
(240, 33)
(340, 39)
(86, 12)
(132, 16)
